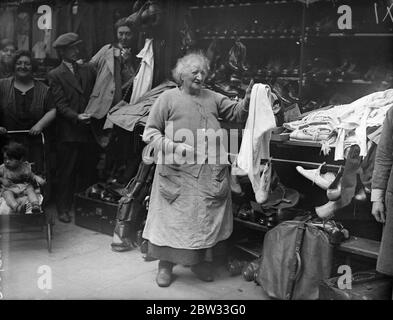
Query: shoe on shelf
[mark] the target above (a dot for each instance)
(65, 217)
(321, 180)
(226, 89)
(36, 208)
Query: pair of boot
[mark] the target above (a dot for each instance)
(202, 270)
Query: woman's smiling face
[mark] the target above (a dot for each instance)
(194, 76)
(23, 67)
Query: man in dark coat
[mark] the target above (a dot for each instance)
(77, 152)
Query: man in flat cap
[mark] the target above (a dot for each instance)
(77, 152)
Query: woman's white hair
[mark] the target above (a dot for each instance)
(184, 63)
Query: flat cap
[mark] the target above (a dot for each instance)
(66, 40)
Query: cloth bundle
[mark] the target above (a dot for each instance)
(345, 125)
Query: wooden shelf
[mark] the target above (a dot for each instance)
(282, 37)
(356, 81)
(299, 143)
(242, 4)
(251, 225)
(349, 35)
(360, 246)
(254, 250)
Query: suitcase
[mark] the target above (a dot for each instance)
(366, 285)
(96, 215)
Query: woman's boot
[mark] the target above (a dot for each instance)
(164, 275)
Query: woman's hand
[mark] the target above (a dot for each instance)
(36, 130)
(248, 91)
(40, 180)
(3, 131)
(184, 152)
(378, 211)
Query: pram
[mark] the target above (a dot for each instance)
(9, 220)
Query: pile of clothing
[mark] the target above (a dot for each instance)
(129, 115)
(344, 125)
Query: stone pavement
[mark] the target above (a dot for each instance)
(84, 267)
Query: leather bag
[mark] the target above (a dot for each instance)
(296, 257)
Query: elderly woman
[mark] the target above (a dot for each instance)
(190, 208)
(7, 52)
(25, 104)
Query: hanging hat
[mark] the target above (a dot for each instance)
(66, 40)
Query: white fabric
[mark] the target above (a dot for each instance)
(144, 79)
(350, 121)
(257, 134)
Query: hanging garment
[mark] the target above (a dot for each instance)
(144, 79)
(127, 116)
(8, 25)
(256, 137)
(42, 39)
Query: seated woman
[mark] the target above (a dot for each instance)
(26, 104)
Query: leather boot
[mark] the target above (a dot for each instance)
(164, 275)
(348, 185)
(203, 271)
(321, 180)
(262, 194)
(334, 191)
(360, 192)
(349, 179)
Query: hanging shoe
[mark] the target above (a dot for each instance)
(321, 180)
(327, 210)
(334, 191)
(349, 178)
(262, 194)
(360, 192)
